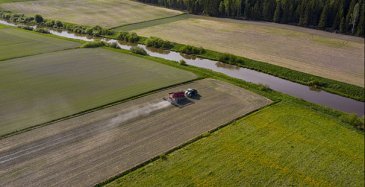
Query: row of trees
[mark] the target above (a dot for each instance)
(345, 16)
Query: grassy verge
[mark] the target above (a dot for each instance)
(281, 145)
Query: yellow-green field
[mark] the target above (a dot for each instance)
(18, 43)
(283, 145)
(312, 51)
(107, 13)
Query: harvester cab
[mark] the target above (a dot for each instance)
(191, 93)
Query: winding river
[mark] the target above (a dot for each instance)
(294, 89)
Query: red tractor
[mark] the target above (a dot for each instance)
(176, 97)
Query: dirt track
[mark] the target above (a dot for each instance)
(89, 149)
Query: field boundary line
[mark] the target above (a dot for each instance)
(136, 23)
(96, 108)
(191, 141)
(25, 56)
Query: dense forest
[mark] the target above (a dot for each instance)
(344, 16)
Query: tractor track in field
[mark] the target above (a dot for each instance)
(49, 143)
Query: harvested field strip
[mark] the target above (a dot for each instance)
(284, 144)
(46, 87)
(150, 23)
(16, 43)
(89, 149)
(107, 13)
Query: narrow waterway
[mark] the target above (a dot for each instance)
(275, 83)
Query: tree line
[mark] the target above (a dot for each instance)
(344, 16)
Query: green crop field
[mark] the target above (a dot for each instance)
(107, 13)
(283, 145)
(45, 87)
(18, 43)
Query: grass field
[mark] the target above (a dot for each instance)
(45, 87)
(328, 55)
(282, 145)
(18, 43)
(107, 13)
(88, 149)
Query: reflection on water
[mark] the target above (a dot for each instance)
(315, 89)
(226, 66)
(156, 50)
(190, 57)
(67, 34)
(275, 83)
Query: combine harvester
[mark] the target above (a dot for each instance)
(181, 98)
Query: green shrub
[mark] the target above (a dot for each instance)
(38, 18)
(16, 18)
(58, 24)
(122, 36)
(97, 31)
(5, 16)
(49, 23)
(231, 59)
(133, 38)
(182, 62)
(191, 50)
(128, 37)
(353, 120)
(42, 30)
(158, 43)
(316, 84)
(163, 157)
(26, 28)
(138, 50)
(264, 88)
(93, 44)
